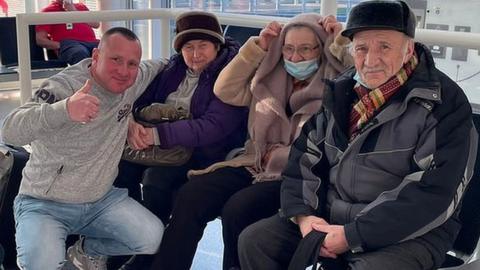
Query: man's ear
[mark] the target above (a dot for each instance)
(95, 53)
(410, 50)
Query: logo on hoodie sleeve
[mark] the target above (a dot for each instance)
(124, 112)
(44, 96)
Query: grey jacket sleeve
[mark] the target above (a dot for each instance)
(148, 70)
(46, 113)
(304, 176)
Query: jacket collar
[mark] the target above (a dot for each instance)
(423, 84)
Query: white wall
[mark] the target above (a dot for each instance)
(458, 13)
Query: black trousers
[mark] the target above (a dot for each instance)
(227, 192)
(270, 244)
(130, 176)
(159, 185)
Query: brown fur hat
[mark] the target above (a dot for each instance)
(197, 25)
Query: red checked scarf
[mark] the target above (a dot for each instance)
(371, 100)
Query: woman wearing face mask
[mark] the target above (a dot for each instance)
(279, 75)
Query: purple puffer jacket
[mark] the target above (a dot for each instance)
(215, 127)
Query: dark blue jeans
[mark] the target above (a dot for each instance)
(74, 51)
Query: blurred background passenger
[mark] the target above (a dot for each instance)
(4, 6)
(72, 42)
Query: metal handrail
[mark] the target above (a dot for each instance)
(162, 14)
(442, 38)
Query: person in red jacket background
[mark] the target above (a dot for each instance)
(4, 6)
(72, 41)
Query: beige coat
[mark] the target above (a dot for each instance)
(257, 79)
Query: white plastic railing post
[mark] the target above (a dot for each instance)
(328, 7)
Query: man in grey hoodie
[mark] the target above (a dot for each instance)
(77, 125)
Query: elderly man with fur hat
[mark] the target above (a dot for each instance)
(375, 179)
(279, 75)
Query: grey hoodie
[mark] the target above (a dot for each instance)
(71, 162)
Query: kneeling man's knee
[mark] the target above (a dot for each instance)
(152, 237)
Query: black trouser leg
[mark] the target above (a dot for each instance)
(199, 201)
(129, 177)
(268, 244)
(249, 205)
(159, 186)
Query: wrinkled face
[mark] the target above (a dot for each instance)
(380, 54)
(300, 44)
(198, 54)
(115, 63)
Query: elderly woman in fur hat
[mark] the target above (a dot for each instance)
(186, 83)
(279, 75)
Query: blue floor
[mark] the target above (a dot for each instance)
(210, 249)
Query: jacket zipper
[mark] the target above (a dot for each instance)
(374, 123)
(59, 172)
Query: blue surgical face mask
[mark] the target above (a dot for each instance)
(301, 70)
(357, 78)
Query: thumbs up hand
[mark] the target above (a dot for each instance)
(82, 106)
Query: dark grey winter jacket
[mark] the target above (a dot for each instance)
(401, 178)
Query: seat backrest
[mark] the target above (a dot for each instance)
(241, 33)
(469, 234)
(8, 47)
(36, 52)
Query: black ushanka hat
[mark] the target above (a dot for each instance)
(381, 14)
